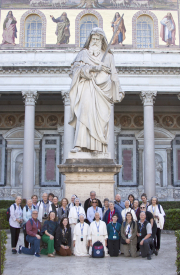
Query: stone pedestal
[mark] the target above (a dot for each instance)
(89, 174)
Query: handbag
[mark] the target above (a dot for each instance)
(123, 241)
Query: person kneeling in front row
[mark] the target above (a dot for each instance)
(144, 236)
(63, 238)
(33, 228)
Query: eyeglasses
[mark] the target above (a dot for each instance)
(142, 207)
(94, 202)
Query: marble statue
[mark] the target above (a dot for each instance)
(20, 171)
(159, 169)
(95, 86)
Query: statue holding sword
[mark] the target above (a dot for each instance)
(95, 86)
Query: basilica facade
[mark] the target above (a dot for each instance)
(40, 39)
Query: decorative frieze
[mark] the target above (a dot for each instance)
(123, 70)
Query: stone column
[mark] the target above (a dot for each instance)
(37, 167)
(68, 130)
(140, 166)
(111, 133)
(148, 98)
(169, 179)
(8, 175)
(30, 98)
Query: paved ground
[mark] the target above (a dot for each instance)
(163, 264)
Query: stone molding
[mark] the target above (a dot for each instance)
(22, 26)
(155, 25)
(30, 97)
(178, 96)
(78, 19)
(148, 97)
(65, 96)
(67, 70)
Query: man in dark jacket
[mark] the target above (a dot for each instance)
(87, 203)
(110, 212)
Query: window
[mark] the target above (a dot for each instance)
(50, 160)
(2, 160)
(87, 23)
(33, 31)
(127, 157)
(144, 32)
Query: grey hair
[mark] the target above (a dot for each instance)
(128, 201)
(100, 32)
(92, 192)
(35, 210)
(111, 202)
(77, 199)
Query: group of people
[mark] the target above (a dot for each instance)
(62, 228)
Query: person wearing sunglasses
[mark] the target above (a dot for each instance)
(92, 211)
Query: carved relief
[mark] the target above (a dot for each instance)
(139, 121)
(168, 121)
(52, 120)
(39, 120)
(125, 121)
(21, 119)
(62, 120)
(10, 121)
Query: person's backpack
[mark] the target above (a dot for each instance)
(98, 250)
(24, 226)
(8, 212)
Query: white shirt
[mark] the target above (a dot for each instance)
(91, 213)
(15, 214)
(74, 214)
(125, 211)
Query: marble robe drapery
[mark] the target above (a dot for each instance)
(80, 248)
(73, 219)
(91, 95)
(93, 235)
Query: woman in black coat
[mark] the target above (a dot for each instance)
(63, 238)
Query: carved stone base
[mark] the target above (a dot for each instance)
(85, 175)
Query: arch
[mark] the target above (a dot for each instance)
(159, 133)
(18, 133)
(77, 23)
(155, 21)
(22, 26)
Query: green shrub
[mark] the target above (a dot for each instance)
(172, 220)
(3, 249)
(166, 205)
(3, 220)
(6, 203)
(177, 234)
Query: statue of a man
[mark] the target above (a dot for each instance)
(95, 86)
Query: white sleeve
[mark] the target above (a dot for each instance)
(162, 211)
(24, 214)
(12, 212)
(88, 215)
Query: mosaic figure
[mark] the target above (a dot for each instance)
(120, 34)
(9, 29)
(168, 30)
(62, 29)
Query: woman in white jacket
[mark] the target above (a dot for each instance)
(126, 210)
(158, 214)
(74, 213)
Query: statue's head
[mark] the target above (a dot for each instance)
(97, 38)
(169, 15)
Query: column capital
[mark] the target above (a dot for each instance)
(30, 97)
(65, 96)
(148, 97)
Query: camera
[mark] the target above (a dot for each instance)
(81, 239)
(45, 216)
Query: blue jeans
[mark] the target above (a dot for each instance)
(35, 246)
